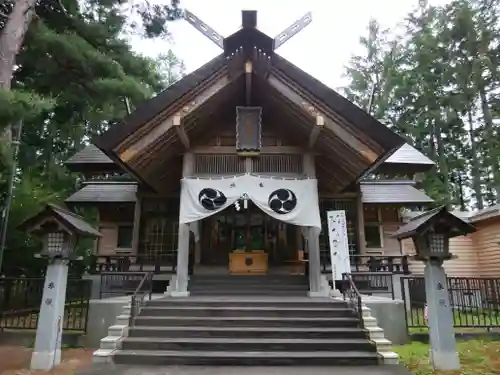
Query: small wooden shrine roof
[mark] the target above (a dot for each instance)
(439, 217)
(397, 192)
(69, 219)
(109, 192)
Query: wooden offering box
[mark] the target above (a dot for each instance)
(242, 262)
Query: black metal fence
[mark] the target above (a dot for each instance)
(396, 264)
(20, 300)
(116, 284)
(129, 263)
(475, 302)
(374, 283)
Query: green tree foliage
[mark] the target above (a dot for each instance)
(436, 83)
(72, 75)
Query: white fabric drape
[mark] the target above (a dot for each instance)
(291, 201)
(201, 198)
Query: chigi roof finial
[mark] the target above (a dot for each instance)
(249, 22)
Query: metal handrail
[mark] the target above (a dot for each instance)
(137, 299)
(353, 297)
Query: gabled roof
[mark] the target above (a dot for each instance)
(91, 159)
(438, 217)
(350, 137)
(151, 107)
(408, 154)
(407, 159)
(69, 219)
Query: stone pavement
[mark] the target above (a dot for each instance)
(227, 370)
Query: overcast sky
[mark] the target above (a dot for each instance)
(322, 49)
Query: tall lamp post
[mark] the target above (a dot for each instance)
(59, 230)
(431, 233)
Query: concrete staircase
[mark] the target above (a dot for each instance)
(248, 285)
(230, 330)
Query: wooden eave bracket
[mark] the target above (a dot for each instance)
(350, 140)
(181, 132)
(313, 137)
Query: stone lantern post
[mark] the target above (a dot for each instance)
(431, 233)
(59, 230)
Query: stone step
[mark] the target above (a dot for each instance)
(249, 321)
(245, 344)
(246, 311)
(248, 292)
(249, 278)
(248, 302)
(250, 332)
(270, 358)
(249, 281)
(237, 286)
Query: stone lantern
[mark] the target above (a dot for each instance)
(59, 230)
(431, 232)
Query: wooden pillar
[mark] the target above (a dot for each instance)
(312, 242)
(361, 223)
(197, 244)
(182, 277)
(137, 225)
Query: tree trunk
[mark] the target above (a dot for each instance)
(442, 161)
(476, 177)
(11, 40)
(490, 140)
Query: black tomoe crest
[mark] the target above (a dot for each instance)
(211, 199)
(282, 201)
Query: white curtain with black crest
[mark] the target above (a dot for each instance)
(201, 198)
(293, 201)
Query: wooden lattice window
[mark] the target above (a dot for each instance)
(218, 164)
(159, 229)
(280, 164)
(160, 236)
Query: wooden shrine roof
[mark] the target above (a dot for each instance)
(397, 192)
(70, 220)
(350, 139)
(374, 192)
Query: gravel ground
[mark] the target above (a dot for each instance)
(15, 360)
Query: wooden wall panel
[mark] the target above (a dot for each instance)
(388, 217)
(487, 247)
(465, 265)
(107, 243)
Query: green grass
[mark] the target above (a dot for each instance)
(477, 357)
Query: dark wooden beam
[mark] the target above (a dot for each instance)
(264, 150)
(148, 139)
(349, 139)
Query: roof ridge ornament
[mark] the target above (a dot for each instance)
(203, 28)
(249, 20)
(292, 30)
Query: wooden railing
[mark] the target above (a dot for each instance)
(132, 263)
(397, 264)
